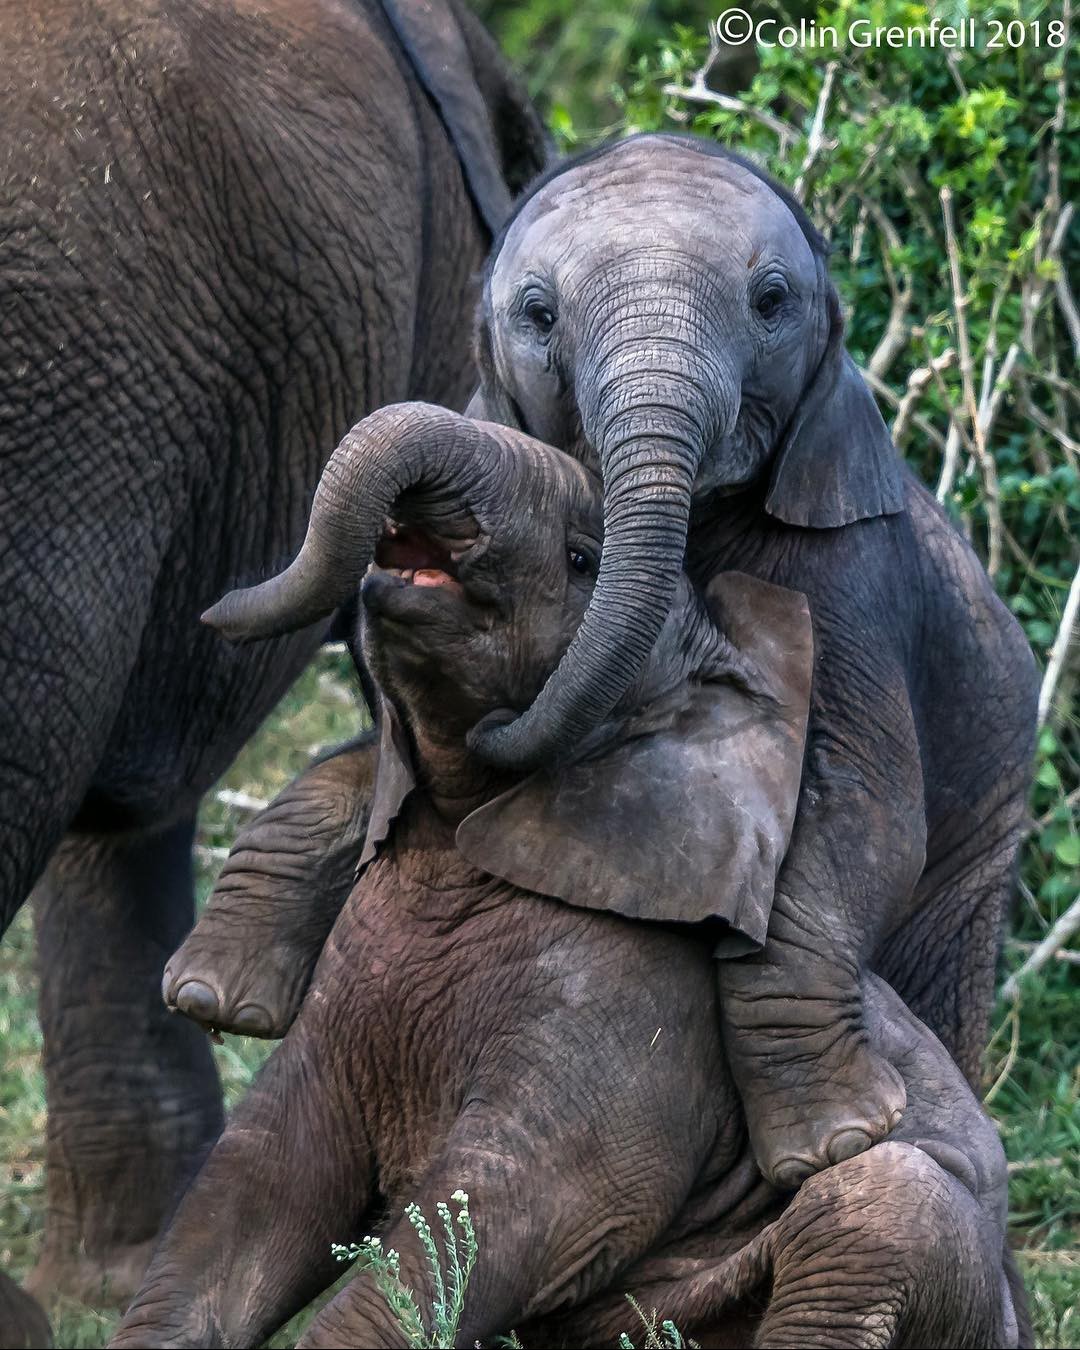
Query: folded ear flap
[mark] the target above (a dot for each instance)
(491, 402)
(837, 463)
(394, 780)
(687, 813)
(435, 43)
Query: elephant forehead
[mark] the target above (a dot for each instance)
(651, 194)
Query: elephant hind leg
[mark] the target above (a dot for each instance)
(886, 1249)
(943, 960)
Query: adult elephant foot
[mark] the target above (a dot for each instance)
(246, 964)
(132, 1093)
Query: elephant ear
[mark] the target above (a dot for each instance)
(496, 132)
(394, 780)
(837, 463)
(685, 815)
(492, 401)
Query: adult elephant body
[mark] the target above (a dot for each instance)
(228, 231)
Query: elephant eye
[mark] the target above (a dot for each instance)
(581, 563)
(540, 316)
(770, 301)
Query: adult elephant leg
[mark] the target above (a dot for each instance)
(250, 1242)
(246, 964)
(132, 1093)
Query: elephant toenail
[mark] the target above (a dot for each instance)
(790, 1173)
(847, 1143)
(252, 1020)
(895, 1119)
(198, 1001)
(166, 988)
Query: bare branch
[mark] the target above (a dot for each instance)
(1069, 312)
(698, 91)
(895, 337)
(987, 466)
(917, 383)
(1059, 651)
(817, 130)
(1066, 925)
(889, 395)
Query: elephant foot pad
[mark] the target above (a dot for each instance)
(826, 1121)
(240, 988)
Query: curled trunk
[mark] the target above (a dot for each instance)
(649, 450)
(407, 446)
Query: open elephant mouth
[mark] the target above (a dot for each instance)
(417, 570)
(419, 558)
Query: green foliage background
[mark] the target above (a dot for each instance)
(899, 126)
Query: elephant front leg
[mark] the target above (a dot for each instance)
(815, 1089)
(132, 1093)
(246, 964)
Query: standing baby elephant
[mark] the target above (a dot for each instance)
(491, 1013)
(230, 227)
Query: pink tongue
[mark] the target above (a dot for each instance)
(430, 576)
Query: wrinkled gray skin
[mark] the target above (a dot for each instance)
(562, 1066)
(228, 230)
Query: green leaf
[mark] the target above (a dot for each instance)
(1048, 775)
(1067, 850)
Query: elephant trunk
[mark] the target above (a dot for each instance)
(401, 447)
(650, 445)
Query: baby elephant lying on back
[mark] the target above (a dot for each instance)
(491, 1013)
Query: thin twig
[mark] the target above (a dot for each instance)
(1066, 958)
(895, 336)
(210, 857)
(701, 93)
(817, 131)
(1013, 1016)
(1069, 312)
(987, 466)
(241, 801)
(1059, 651)
(917, 383)
(1060, 932)
(1071, 801)
(698, 91)
(893, 399)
